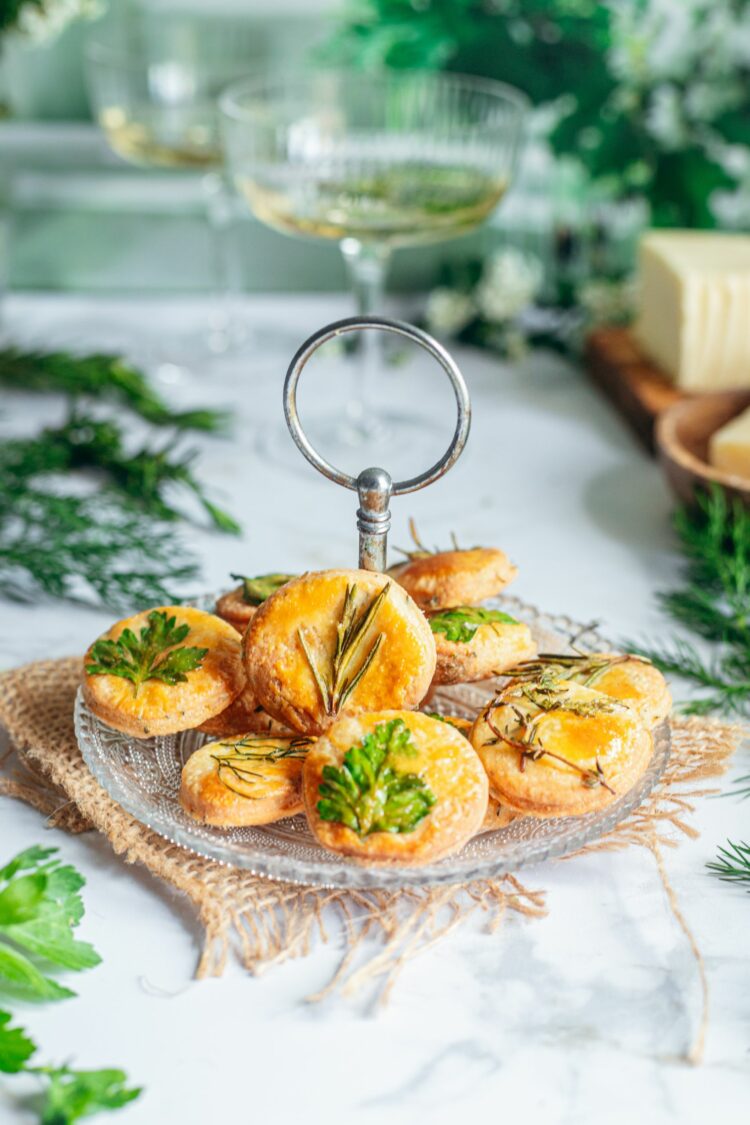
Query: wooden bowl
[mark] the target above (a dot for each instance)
(683, 432)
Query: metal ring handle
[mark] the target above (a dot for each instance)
(399, 328)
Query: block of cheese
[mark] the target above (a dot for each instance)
(729, 447)
(694, 307)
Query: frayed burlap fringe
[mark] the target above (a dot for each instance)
(268, 922)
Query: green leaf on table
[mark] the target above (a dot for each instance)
(74, 1094)
(40, 906)
(460, 624)
(153, 655)
(369, 793)
(15, 1046)
(256, 590)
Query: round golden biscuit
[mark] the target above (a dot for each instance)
(244, 716)
(483, 650)
(153, 706)
(411, 788)
(460, 724)
(233, 608)
(454, 578)
(242, 781)
(497, 816)
(337, 642)
(630, 679)
(555, 748)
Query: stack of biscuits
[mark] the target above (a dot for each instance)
(309, 688)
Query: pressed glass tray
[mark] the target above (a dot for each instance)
(143, 776)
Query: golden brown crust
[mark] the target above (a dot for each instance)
(453, 578)
(233, 608)
(493, 648)
(615, 738)
(159, 708)
(244, 716)
(445, 761)
(277, 667)
(227, 796)
(640, 685)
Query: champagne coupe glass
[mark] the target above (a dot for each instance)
(154, 78)
(374, 160)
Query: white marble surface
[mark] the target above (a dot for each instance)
(578, 1018)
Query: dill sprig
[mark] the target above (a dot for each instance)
(102, 377)
(713, 603)
(236, 765)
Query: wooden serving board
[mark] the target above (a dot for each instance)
(636, 387)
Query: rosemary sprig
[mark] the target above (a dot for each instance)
(100, 377)
(419, 551)
(733, 863)
(335, 676)
(236, 765)
(714, 603)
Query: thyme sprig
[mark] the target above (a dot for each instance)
(580, 668)
(713, 603)
(237, 764)
(337, 676)
(157, 653)
(369, 793)
(100, 377)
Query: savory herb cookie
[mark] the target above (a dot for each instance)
(454, 578)
(630, 679)
(497, 816)
(239, 605)
(473, 643)
(393, 787)
(250, 780)
(244, 716)
(162, 671)
(555, 748)
(337, 642)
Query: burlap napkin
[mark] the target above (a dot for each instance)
(267, 922)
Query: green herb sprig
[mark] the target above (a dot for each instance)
(733, 863)
(459, 625)
(40, 906)
(714, 603)
(256, 590)
(156, 654)
(336, 676)
(100, 377)
(236, 766)
(419, 550)
(369, 793)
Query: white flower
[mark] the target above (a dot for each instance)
(449, 311)
(43, 22)
(607, 302)
(510, 282)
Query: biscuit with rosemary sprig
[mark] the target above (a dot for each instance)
(630, 679)
(236, 782)
(444, 579)
(555, 748)
(164, 670)
(394, 787)
(337, 642)
(240, 604)
(474, 643)
(244, 716)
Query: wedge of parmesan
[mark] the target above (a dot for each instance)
(694, 307)
(729, 447)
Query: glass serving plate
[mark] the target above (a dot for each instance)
(143, 776)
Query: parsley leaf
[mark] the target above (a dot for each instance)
(145, 658)
(15, 1046)
(460, 624)
(74, 1094)
(368, 794)
(39, 908)
(256, 590)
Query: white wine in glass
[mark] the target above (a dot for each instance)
(374, 161)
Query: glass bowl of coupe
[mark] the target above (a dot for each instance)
(372, 161)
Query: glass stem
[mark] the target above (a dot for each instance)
(367, 265)
(226, 330)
